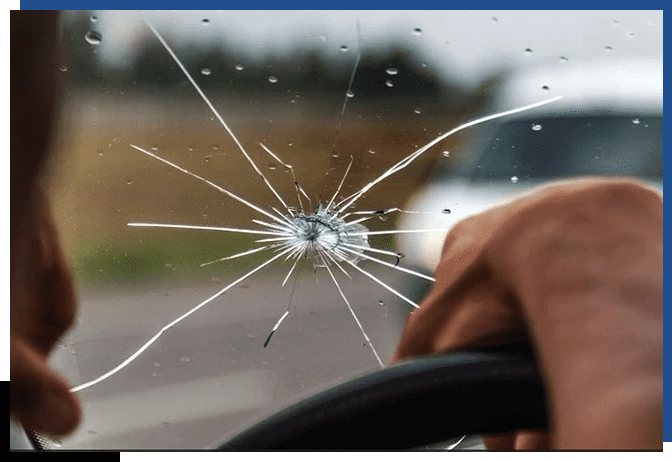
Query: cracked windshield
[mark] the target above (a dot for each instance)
(252, 202)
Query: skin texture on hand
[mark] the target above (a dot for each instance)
(42, 300)
(577, 266)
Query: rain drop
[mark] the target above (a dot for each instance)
(63, 68)
(100, 152)
(272, 166)
(93, 19)
(446, 153)
(417, 110)
(635, 121)
(389, 83)
(93, 37)
(564, 59)
(344, 48)
(273, 79)
(545, 87)
(392, 71)
(417, 31)
(494, 20)
(335, 154)
(239, 67)
(350, 94)
(154, 147)
(205, 22)
(129, 182)
(528, 51)
(536, 127)
(630, 35)
(205, 71)
(514, 179)
(381, 302)
(616, 22)
(608, 48)
(446, 211)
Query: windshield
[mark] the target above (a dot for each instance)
(231, 188)
(608, 145)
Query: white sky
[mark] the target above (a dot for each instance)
(464, 43)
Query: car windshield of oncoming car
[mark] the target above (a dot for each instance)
(221, 176)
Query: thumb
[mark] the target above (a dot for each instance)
(38, 397)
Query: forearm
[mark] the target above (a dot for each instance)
(589, 276)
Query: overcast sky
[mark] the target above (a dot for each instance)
(464, 43)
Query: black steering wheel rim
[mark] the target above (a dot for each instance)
(412, 404)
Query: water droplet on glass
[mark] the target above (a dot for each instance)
(100, 152)
(528, 51)
(423, 65)
(389, 83)
(272, 166)
(205, 71)
(350, 94)
(157, 365)
(154, 147)
(608, 48)
(514, 179)
(417, 31)
(545, 87)
(93, 18)
(630, 35)
(323, 38)
(446, 211)
(563, 59)
(129, 182)
(536, 127)
(63, 68)
(616, 22)
(344, 48)
(190, 148)
(185, 359)
(446, 153)
(635, 121)
(93, 37)
(494, 20)
(239, 67)
(392, 71)
(335, 154)
(371, 151)
(272, 79)
(165, 424)
(417, 110)
(205, 22)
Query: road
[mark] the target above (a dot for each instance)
(210, 374)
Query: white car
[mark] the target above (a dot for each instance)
(609, 122)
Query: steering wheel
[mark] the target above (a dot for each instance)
(412, 404)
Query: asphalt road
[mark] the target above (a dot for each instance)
(210, 374)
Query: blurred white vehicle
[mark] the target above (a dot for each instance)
(608, 123)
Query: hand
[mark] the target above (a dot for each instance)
(42, 308)
(576, 266)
